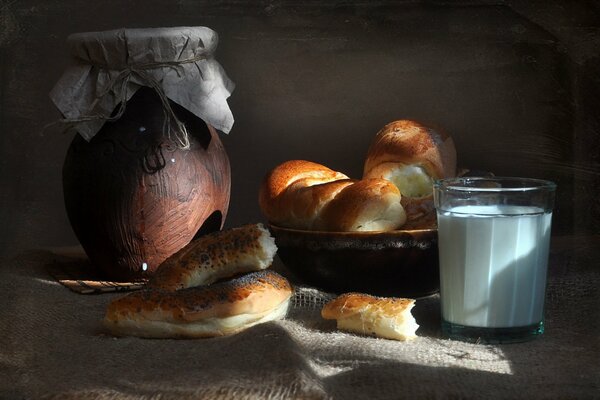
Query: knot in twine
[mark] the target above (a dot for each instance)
(141, 72)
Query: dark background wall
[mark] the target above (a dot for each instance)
(517, 84)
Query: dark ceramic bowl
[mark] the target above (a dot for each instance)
(401, 263)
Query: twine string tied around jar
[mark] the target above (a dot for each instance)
(141, 72)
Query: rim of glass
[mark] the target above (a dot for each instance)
(460, 184)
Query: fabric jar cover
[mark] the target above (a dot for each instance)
(109, 67)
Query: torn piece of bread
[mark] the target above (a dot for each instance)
(385, 317)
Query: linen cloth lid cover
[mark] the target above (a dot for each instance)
(110, 66)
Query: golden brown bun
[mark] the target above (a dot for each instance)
(410, 142)
(291, 176)
(367, 205)
(278, 180)
(301, 206)
(305, 195)
(385, 317)
(412, 156)
(215, 310)
(216, 256)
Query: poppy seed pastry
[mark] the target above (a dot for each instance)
(219, 309)
(216, 256)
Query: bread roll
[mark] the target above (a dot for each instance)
(299, 210)
(388, 318)
(305, 195)
(216, 256)
(220, 309)
(412, 156)
(300, 206)
(367, 205)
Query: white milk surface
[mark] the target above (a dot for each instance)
(493, 265)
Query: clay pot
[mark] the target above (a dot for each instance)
(134, 198)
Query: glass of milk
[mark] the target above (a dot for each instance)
(493, 238)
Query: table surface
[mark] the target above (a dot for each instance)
(52, 345)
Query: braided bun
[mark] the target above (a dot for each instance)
(304, 195)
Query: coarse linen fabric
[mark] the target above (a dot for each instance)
(109, 65)
(52, 345)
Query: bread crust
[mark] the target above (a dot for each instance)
(304, 195)
(279, 179)
(409, 142)
(348, 304)
(367, 205)
(301, 205)
(413, 156)
(216, 256)
(385, 317)
(256, 293)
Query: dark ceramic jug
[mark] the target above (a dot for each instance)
(134, 198)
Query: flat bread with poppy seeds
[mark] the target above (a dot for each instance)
(216, 256)
(222, 308)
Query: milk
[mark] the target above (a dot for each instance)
(493, 262)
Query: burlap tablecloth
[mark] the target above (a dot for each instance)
(52, 345)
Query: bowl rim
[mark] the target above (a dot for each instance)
(352, 233)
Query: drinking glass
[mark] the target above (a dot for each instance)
(494, 239)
